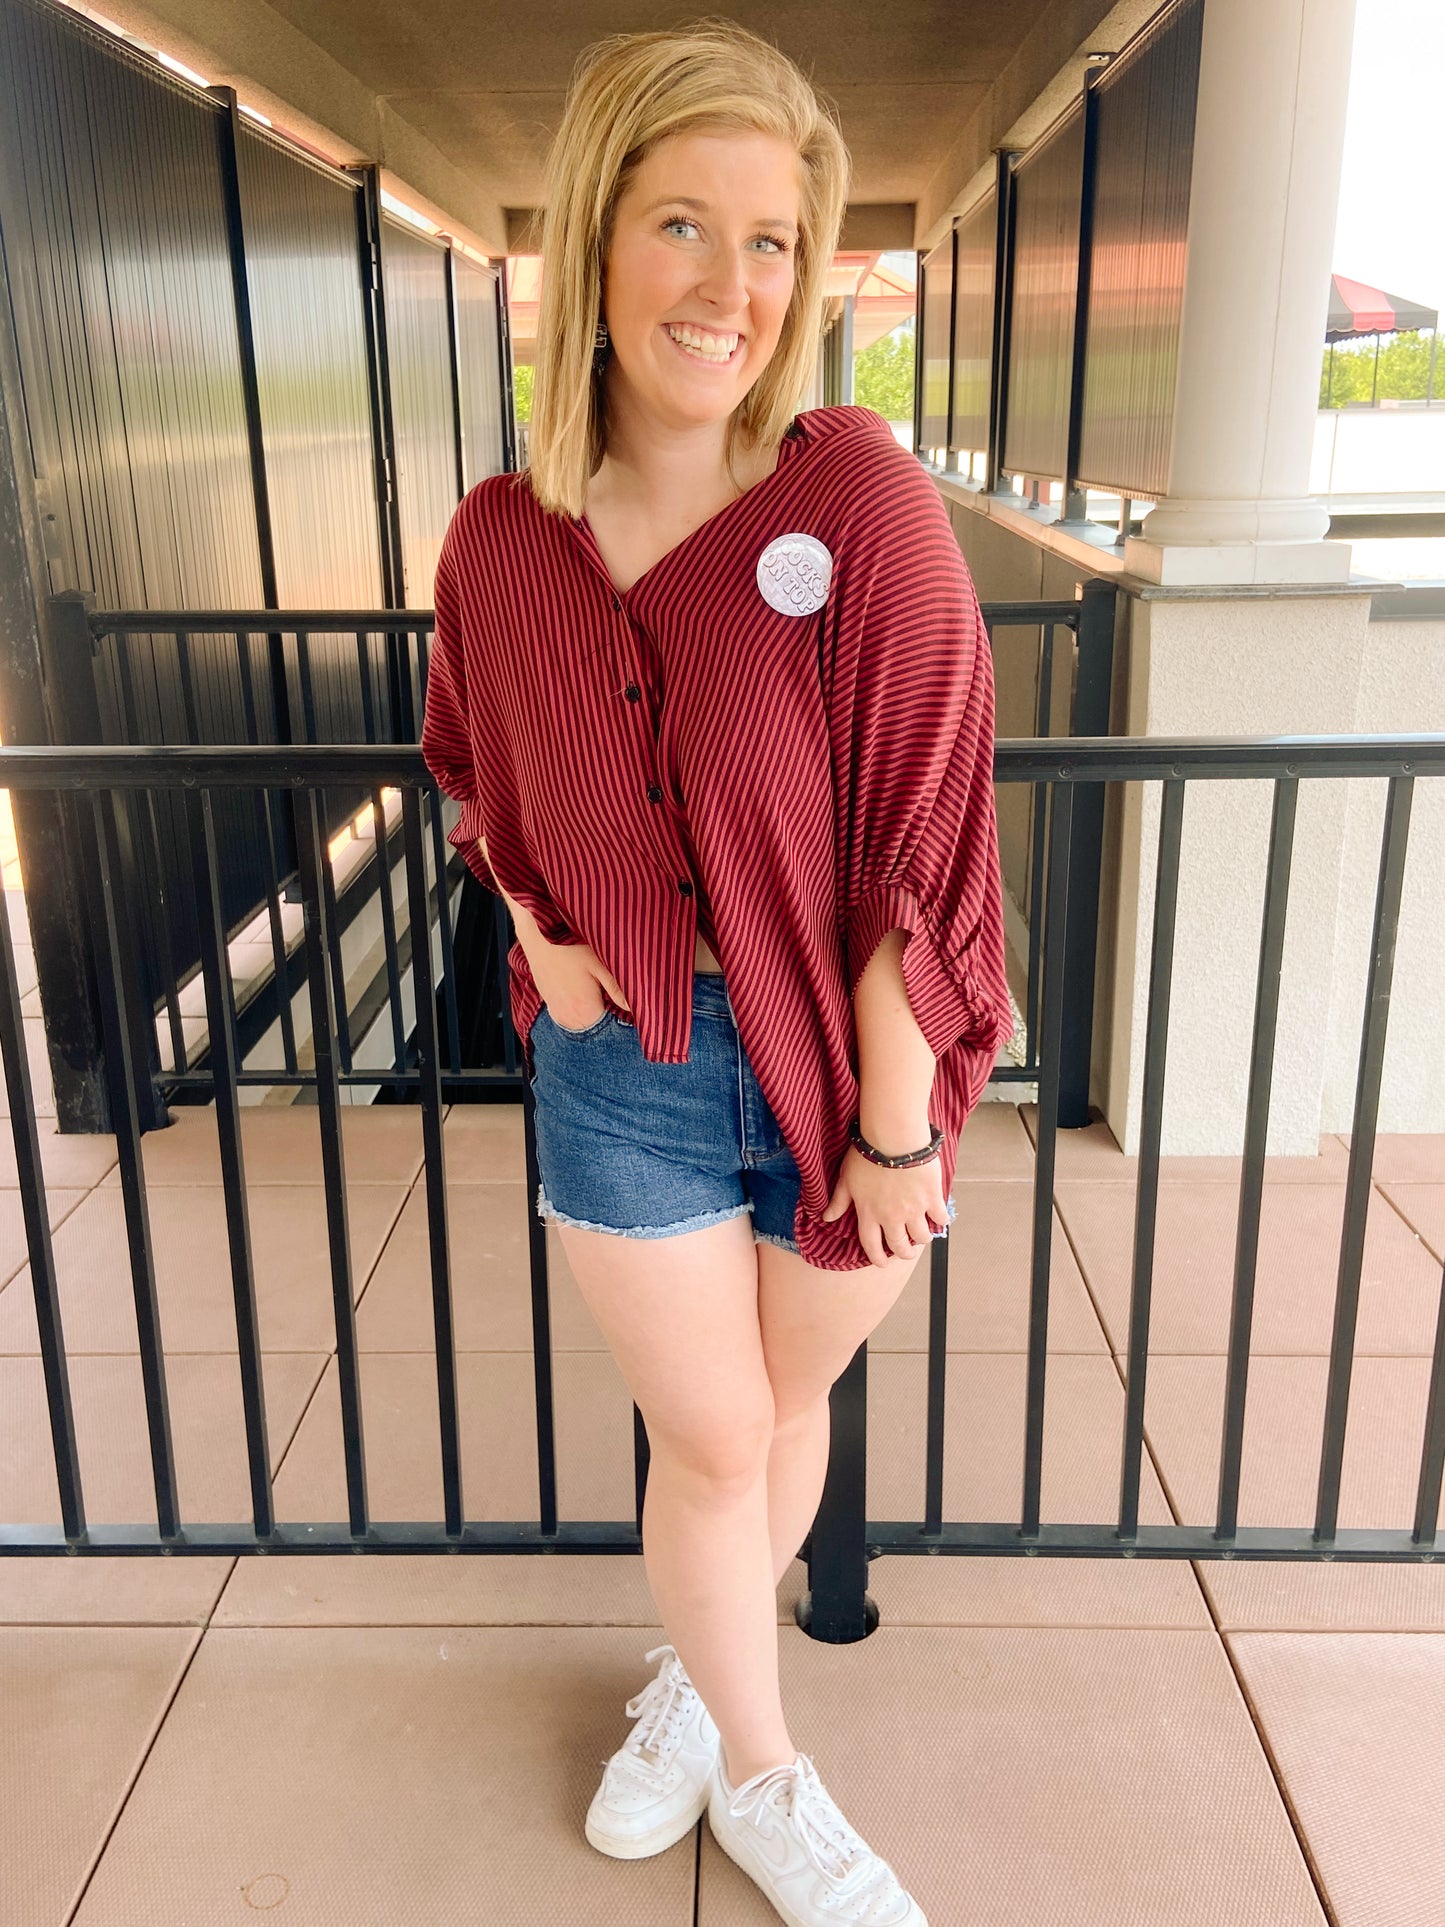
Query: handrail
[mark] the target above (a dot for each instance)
(1072, 759)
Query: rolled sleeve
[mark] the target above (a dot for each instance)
(911, 703)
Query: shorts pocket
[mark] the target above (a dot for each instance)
(591, 1030)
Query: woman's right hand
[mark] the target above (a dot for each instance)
(570, 979)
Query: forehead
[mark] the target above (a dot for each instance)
(722, 165)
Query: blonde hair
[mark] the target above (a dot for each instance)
(628, 93)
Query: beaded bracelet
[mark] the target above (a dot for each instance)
(904, 1160)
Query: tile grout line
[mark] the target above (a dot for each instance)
(1297, 1827)
(108, 1834)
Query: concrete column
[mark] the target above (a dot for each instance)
(1268, 140)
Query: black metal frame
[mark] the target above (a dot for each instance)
(837, 1607)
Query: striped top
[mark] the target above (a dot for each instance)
(684, 758)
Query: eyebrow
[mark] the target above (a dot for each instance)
(687, 200)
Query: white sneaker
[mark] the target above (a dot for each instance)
(656, 1785)
(785, 1832)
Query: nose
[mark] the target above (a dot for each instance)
(724, 285)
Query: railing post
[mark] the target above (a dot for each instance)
(1090, 717)
(837, 1607)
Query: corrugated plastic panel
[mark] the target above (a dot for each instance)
(1047, 186)
(303, 270)
(1144, 152)
(418, 342)
(936, 270)
(479, 350)
(973, 325)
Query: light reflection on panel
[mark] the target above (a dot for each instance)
(303, 270)
(418, 341)
(479, 352)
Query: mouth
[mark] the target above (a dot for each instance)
(704, 347)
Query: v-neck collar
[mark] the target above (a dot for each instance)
(795, 439)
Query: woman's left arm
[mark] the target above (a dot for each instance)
(895, 1079)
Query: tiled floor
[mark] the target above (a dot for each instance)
(357, 1742)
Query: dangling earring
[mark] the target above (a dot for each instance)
(601, 347)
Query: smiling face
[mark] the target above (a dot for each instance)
(699, 274)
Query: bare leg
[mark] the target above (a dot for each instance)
(681, 1317)
(812, 1322)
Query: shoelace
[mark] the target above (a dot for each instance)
(841, 1856)
(662, 1707)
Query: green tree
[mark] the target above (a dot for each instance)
(522, 372)
(1404, 371)
(883, 375)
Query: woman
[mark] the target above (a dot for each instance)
(710, 684)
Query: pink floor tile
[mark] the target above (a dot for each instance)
(1299, 1244)
(349, 1777)
(1354, 1722)
(1284, 1417)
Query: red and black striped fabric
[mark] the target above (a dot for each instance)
(685, 758)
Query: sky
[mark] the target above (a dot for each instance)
(1391, 227)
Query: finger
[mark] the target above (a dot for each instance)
(920, 1230)
(837, 1205)
(614, 989)
(899, 1242)
(872, 1242)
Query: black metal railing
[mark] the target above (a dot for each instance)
(290, 677)
(843, 1539)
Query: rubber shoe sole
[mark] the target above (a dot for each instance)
(663, 1836)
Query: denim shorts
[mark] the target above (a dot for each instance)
(653, 1150)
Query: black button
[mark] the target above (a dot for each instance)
(654, 794)
(685, 886)
(633, 693)
(617, 602)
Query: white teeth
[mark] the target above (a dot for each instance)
(706, 346)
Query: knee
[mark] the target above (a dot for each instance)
(720, 1462)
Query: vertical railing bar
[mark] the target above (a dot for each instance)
(303, 671)
(541, 1324)
(310, 846)
(388, 926)
(363, 669)
(220, 1015)
(1394, 842)
(1256, 1136)
(188, 693)
(333, 944)
(937, 1383)
(265, 807)
(1061, 818)
(444, 913)
(45, 1286)
(164, 943)
(1146, 1197)
(641, 1464)
(1432, 1452)
(107, 913)
(433, 1156)
(1033, 989)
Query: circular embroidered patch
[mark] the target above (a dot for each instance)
(793, 573)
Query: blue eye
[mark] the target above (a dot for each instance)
(685, 220)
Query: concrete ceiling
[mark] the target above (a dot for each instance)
(458, 98)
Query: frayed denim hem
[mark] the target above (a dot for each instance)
(784, 1244)
(549, 1213)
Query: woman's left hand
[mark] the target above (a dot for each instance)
(898, 1211)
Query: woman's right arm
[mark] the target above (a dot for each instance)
(566, 975)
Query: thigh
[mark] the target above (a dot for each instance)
(812, 1321)
(680, 1316)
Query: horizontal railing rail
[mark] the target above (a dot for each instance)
(843, 1539)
